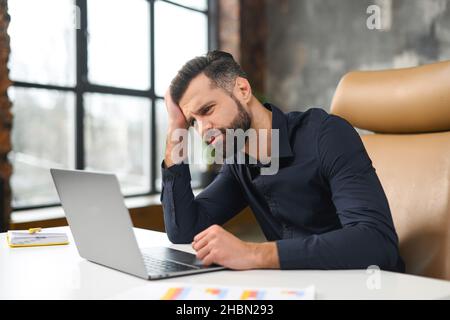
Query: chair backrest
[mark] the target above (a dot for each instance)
(409, 112)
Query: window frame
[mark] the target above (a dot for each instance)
(82, 86)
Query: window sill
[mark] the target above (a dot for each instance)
(42, 214)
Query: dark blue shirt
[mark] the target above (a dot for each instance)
(325, 208)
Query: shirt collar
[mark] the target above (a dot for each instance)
(280, 122)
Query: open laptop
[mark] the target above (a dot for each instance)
(103, 231)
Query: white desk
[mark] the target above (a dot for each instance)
(58, 272)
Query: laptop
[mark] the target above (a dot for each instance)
(103, 231)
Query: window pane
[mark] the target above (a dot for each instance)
(117, 139)
(196, 4)
(176, 43)
(43, 138)
(119, 43)
(197, 165)
(42, 41)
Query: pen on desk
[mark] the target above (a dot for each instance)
(34, 230)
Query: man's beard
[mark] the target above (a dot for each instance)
(241, 121)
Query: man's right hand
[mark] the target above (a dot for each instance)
(177, 120)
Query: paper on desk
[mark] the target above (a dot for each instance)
(236, 293)
(24, 238)
(180, 291)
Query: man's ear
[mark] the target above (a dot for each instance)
(244, 89)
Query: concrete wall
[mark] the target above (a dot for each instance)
(312, 43)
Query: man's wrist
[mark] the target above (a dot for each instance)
(168, 160)
(180, 143)
(265, 255)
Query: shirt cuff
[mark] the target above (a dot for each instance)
(291, 255)
(176, 170)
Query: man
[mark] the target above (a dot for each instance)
(325, 207)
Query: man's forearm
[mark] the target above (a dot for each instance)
(355, 247)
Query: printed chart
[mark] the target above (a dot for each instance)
(199, 292)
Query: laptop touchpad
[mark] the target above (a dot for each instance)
(164, 253)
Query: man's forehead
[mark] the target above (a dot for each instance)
(198, 91)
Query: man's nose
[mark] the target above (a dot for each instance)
(203, 126)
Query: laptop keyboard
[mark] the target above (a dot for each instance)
(155, 265)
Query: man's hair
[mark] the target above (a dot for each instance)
(220, 67)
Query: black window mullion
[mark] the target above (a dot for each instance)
(96, 88)
(153, 131)
(81, 59)
(23, 84)
(183, 6)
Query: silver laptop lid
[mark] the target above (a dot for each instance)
(99, 221)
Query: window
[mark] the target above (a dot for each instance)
(89, 78)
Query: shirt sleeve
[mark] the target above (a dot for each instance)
(367, 236)
(186, 215)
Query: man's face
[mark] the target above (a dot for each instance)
(212, 110)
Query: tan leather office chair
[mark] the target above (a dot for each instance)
(409, 112)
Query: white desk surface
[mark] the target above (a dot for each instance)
(58, 272)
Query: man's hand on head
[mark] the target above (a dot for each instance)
(216, 245)
(177, 120)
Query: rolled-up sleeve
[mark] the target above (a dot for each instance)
(367, 236)
(186, 215)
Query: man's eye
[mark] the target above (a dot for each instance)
(207, 110)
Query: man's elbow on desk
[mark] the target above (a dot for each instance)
(178, 237)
